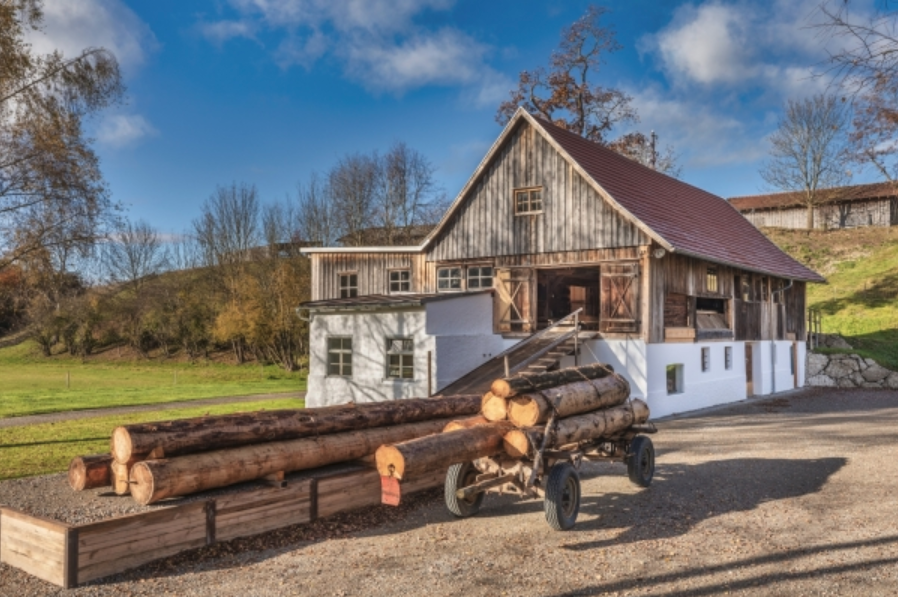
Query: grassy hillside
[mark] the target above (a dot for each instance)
(860, 299)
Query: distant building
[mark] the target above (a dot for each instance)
(380, 237)
(845, 207)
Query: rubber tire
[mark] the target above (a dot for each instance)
(457, 477)
(641, 461)
(561, 506)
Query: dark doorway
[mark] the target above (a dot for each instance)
(560, 292)
(749, 366)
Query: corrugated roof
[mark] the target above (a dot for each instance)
(370, 301)
(796, 199)
(686, 218)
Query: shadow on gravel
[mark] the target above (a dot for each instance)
(683, 495)
(648, 582)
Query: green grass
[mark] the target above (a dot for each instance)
(48, 448)
(33, 384)
(860, 300)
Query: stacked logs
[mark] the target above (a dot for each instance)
(572, 405)
(153, 461)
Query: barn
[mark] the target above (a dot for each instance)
(559, 251)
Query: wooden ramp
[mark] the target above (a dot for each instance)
(539, 352)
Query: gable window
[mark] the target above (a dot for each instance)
(400, 280)
(711, 282)
(449, 279)
(400, 358)
(528, 201)
(339, 357)
(480, 277)
(349, 285)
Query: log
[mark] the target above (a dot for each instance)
(120, 475)
(465, 423)
(570, 399)
(154, 480)
(493, 408)
(519, 443)
(523, 383)
(188, 436)
(90, 472)
(438, 452)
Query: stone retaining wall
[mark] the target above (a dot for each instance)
(848, 371)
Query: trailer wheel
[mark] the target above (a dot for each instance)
(458, 477)
(562, 501)
(641, 461)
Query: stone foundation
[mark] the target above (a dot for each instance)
(848, 371)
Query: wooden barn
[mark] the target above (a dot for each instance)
(854, 206)
(559, 251)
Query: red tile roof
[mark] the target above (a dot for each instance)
(795, 199)
(686, 218)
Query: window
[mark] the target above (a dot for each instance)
(339, 356)
(764, 289)
(712, 280)
(528, 201)
(728, 357)
(675, 379)
(448, 279)
(400, 358)
(706, 358)
(400, 280)
(349, 285)
(480, 277)
(742, 287)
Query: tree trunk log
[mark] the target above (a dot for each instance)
(90, 472)
(575, 398)
(154, 480)
(466, 423)
(523, 383)
(187, 436)
(601, 423)
(120, 476)
(494, 408)
(437, 452)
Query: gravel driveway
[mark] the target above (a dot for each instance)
(794, 495)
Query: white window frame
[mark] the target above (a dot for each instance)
(405, 351)
(407, 281)
(460, 277)
(529, 201)
(342, 362)
(348, 290)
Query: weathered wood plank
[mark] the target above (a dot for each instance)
(34, 545)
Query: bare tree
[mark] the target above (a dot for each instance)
(353, 185)
(407, 189)
(565, 93)
(642, 149)
(317, 217)
(809, 150)
(228, 227)
(134, 253)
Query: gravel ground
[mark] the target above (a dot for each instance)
(71, 415)
(793, 495)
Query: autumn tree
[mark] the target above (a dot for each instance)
(52, 192)
(808, 151)
(644, 150)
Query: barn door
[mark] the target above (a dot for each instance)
(620, 297)
(513, 310)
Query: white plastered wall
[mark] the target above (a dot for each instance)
(782, 366)
(627, 357)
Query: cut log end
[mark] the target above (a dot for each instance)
(523, 411)
(90, 472)
(142, 485)
(120, 478)
(493, 407)
(516, 444)
(390, 491)
(390, 462)
(120, 445)
(465, 423)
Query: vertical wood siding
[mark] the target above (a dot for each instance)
(372, 269)
(875, 212)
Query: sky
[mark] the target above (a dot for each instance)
(267, 92)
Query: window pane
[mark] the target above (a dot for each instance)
(536, 200)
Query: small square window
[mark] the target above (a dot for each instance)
(349, 285)
(675, 379)
(339, 357)
(706, 358)
(400, 358)
(449, 279)
(400, 280)
(728, 357)
(528, 201)
(480, 277)
(711, 284)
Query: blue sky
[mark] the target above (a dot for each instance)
(268, 91)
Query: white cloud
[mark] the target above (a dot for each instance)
(219, 32)
(73, 26)
(121, 130)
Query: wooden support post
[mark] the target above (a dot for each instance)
(507, 370)
(70, 564)
(430, 373)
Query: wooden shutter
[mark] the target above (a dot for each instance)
(620, 298)
(513, 312)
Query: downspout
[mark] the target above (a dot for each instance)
(772, 339)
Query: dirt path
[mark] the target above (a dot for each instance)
(122, 410)
(793, 495)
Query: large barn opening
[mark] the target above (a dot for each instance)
(560, 292)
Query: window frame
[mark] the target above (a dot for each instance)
(461, 278)
(712, 280)
(407, 282)
(341, 364)
(706, 359)
(728, 358)
(349, 288)
(529, 200)
(677, 370)
(480, 277)
(402, 354)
